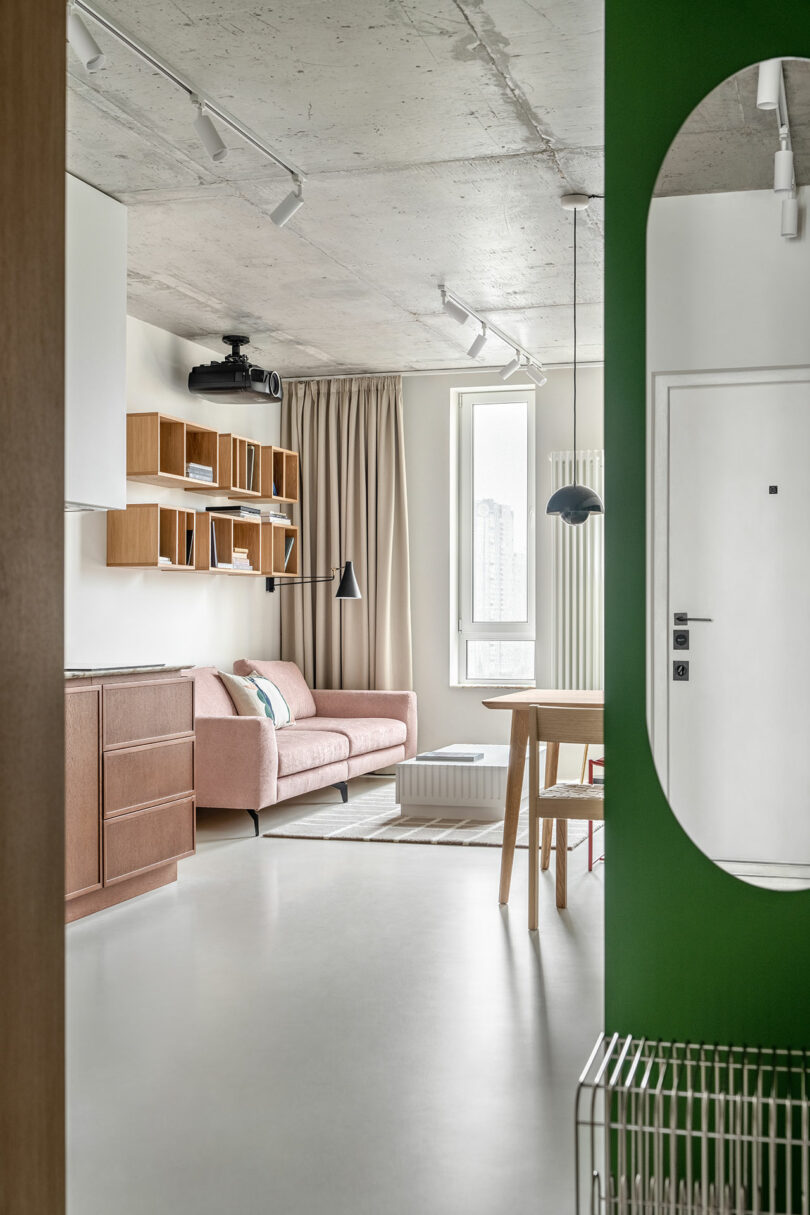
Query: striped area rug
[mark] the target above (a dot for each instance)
(374, 816)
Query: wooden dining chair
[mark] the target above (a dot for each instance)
(559, 802)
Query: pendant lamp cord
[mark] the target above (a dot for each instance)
(575, 346)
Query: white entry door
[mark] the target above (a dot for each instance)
(738, 510)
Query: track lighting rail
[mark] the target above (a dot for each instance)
(458, 307)
(209, 106)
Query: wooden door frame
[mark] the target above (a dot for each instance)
(32, 258)
(659, 654)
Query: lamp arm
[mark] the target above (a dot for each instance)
(270, 583)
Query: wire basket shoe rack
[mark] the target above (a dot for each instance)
(674, 1128)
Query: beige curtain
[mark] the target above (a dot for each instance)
(353, 507)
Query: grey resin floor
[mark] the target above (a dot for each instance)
(314, 1028)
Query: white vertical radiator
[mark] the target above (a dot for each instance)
(578, 629)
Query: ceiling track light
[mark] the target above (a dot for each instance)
(478, 343)
(82, 42)
(453, 308)
(210, 137)
(462, 312)
(288, 206)
(790, 216)
(511, 367)
(90, 54)
(783, 179)
(770, 85)
(536, 375)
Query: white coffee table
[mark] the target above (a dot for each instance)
(428, 788)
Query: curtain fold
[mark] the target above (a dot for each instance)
(353, 507)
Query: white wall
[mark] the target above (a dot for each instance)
(116, 617)
(724, 288)
(452, 714)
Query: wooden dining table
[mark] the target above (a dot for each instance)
(518, 704)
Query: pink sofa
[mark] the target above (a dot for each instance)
(244, 763)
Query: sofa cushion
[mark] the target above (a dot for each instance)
(287, 678)
(210, 696)
(249, 700)
(300, 749)
(364, 734)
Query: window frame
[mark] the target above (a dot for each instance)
(463, 627)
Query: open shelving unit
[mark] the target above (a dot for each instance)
(220, 535)
(275, 539)
(160, 448)
(283, 483)
(148, 536)
(240, 462)
(152, 536)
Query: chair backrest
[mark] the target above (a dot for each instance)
(566, 725)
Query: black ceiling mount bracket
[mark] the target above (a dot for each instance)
(235, 340)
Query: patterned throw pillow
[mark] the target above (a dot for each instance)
(247, 699)
(280, 711)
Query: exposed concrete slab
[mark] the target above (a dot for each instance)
(437, 139)
(728, 144)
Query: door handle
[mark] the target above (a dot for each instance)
(685, 618)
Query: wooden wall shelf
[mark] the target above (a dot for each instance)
(149, 536)
(240, 462)
(221, 539)
(276, 537)
(160, 449)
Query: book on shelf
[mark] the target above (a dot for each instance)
(224, 565)
(213, 546)
(453, 757)
(238, 510)
(274, 516)
(163, 560)
(251, 460)
(189, 545)
(288, 548)
(200, 472)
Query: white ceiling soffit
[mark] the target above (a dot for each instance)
(727, 144)
(436, 138)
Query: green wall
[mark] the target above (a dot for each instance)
(691, 953)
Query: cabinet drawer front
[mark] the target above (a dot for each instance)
(82, 790)
(136, 842)
(147, 711)
(137, 777)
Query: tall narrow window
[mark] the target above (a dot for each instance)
(496, 538)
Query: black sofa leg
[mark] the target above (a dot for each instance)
(254, 814)
(343, 790)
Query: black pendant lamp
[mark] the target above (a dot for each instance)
(574, 503)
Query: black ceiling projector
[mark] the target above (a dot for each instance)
(235, 379)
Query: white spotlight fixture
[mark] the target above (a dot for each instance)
(82, 42)
(536, 375)
(511, 367)
(783, 167)
(478, 343)
(287, 208)
(454, 309)
(790, 216)
(208, 134)
(769, 85)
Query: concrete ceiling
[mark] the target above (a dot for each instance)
(437, 137)
(726, 143)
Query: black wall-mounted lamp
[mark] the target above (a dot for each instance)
(347, 587)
